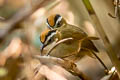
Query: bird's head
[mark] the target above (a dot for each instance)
(55, 21)
(47, 37)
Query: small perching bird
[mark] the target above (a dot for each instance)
(67, 48)
(66, 30)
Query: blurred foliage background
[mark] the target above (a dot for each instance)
(22, 21)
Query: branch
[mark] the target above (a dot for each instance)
(111, 53)
(68, 65)
(21, 15)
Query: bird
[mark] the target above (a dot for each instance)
(56, 21)
(64, 49)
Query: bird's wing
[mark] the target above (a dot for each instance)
(72, 31)
(89, 45)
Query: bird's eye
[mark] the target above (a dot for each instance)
(59, 24)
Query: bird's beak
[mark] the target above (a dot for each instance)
(41, 49)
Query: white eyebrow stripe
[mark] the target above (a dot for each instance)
(52, 34)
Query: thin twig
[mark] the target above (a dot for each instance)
(116, 4)
(106, 69)
(59, 42)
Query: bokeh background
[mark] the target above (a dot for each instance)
(22, 21)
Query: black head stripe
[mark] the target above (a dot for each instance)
(49, 33)
(56, 17)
